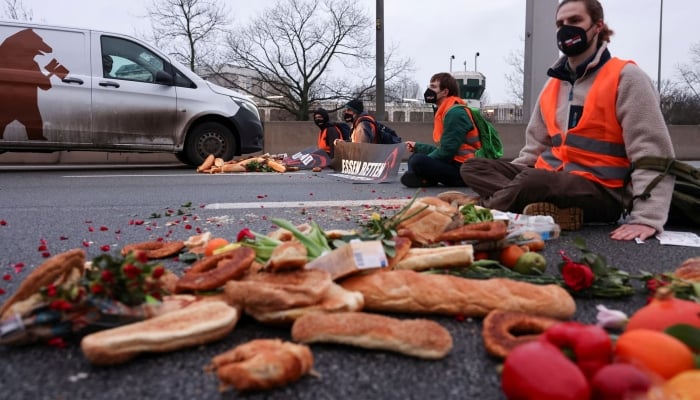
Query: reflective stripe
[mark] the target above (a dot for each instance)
(556, 140)
(596, 146)
(599, 170)
(550, 159)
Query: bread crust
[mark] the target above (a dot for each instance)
(406, 291)
(155, 249)
(199, 323)
(415, 337)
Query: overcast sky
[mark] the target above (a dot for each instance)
(429, 32)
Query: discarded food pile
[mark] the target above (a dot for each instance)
(263, 163)
(332, 286)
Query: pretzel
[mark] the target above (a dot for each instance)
(504, 330)
(155, 249)
(213, 272)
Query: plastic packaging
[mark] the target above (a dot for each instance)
(544, 225)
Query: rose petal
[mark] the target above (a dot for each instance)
(105, 247)
(7, 277)
(3, 222)
(46, 254)
(104, 228)
(91, 229)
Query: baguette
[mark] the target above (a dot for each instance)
(419, 259)
(406, 291)
(207, 163)
(199, 323)
(418, 337)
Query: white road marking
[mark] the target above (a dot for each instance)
(308, 204)
(169, 175)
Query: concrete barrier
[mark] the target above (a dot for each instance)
(290, 137)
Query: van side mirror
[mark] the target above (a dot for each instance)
(163, 78)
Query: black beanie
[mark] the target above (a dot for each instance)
(355, 105)
(323, 113)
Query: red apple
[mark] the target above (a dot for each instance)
(616, 381)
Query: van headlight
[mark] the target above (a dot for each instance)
(248, 105)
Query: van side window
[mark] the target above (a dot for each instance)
(130, 61)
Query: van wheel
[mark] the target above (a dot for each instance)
(209, 138)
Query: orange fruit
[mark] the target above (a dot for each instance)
(655, 351)
(214, 244)
(510, 254)
(685, 385)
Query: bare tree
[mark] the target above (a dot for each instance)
(516, 77)
(290, 52)
(188, 29)
(690, 73)
(14, 9)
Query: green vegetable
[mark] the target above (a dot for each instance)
(472, 214)
(315, 241)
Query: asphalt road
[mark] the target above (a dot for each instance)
(66, 208)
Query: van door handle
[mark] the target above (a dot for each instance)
(72, 80)
(108, 83)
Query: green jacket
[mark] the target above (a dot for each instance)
(456, 125)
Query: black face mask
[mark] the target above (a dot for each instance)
(572, 40)
(348, 117)
(430, 96)
(319, 123)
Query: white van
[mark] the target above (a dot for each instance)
(76, 89)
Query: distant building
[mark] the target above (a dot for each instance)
(503, 113)
(471, 86)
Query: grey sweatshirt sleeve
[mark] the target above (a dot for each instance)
(645, 134)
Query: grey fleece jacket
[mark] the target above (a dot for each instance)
(643, 128)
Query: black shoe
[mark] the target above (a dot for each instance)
(409, 179)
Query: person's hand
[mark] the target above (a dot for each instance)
(410, 146)
(632, 231)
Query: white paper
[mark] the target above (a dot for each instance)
(679, 238)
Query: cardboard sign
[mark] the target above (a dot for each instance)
(367, 162)
(309, 158)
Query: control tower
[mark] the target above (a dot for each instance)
(471, 86)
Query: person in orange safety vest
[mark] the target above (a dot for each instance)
(596, 116)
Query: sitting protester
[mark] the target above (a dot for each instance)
(363, 124)
(455, 136)
(329, 131)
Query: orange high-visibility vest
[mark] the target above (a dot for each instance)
(594, 148)
(472, 141)
(321, 143)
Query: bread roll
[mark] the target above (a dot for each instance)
(262, 364)
(406, 291)
(504, 330)
(199, 323)
(417, 337)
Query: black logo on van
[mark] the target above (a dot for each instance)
(21, 78)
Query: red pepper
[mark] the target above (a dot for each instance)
(589, 346)
(538, 370)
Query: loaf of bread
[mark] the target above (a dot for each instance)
(417, 337)
(406, 291)
(199, 323)
(336, 299)
(56, 270)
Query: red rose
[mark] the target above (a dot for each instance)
(245, 234)
(131, 271)
(60, 305)
(577, 276)
(158, 272)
